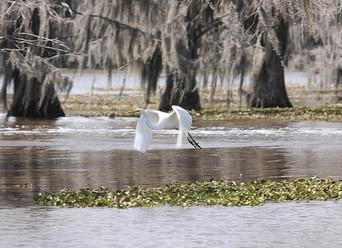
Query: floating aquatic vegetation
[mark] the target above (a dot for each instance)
(205, 193)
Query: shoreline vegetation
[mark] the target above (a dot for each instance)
(205, 193)
(112, 106)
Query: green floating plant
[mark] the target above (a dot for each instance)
(205, 193)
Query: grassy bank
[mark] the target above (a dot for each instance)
(206, 193)
(114, 107)
(320, 113)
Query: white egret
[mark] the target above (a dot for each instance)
(151, 119)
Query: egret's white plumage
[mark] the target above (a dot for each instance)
(150, 120)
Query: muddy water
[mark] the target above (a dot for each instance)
(78, 152)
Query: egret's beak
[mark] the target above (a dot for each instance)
(137, 112)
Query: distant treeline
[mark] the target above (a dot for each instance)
(217, 39)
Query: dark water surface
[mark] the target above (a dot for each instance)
(77, 152)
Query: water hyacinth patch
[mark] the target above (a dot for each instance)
(205, 193)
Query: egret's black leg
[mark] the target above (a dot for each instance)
(192, 141)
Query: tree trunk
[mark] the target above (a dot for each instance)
(188, 99)
(165, 98)
(176, 94)
(338, 76)
(110, 74)
(28, 100)
(267, 87)
(182, 86)
(31, 98)
(150, 74)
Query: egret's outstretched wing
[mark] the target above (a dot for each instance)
(143, 135)
(184, 123)
(184, 118)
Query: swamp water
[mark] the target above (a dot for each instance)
(76, 152)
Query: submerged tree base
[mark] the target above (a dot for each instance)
(208, 193)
